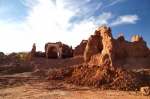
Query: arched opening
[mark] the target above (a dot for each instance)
(52, 52)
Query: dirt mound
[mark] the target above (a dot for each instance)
(102, 77)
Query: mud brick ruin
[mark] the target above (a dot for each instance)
(53, 50)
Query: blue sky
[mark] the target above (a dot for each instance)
(24, 22)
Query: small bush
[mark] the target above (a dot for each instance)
(22, 56)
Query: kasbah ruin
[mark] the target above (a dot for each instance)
(100, 68)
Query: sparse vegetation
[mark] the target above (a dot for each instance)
(22, 56)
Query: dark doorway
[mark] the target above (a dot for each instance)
(52, 52)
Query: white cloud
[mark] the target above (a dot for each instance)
(103, 18)
(11, 38)
(126, 19)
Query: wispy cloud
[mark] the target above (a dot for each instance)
(114, 2)
(29, 3)
(126, 19)
(98, 6)
(103, 18)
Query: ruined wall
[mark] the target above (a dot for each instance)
(67, 51)
(31, 54)
(53, 49)
(40, 54)
(102, 49)
(79, 50)
(93, 47)
(1, 54)
(101, 44)
(137, 48)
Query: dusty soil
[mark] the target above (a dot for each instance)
(25, 86)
